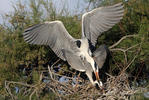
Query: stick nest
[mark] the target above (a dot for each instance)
(116, 87)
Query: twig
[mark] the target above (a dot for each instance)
(50, 72)
(55, 63)
(62, 75)
(19, 83)
(125, 51)
(49, 69)
(87, 8)
(133, 46)
(124, 37)
(129, 64)
(139, 72)
(140, 44)
(8, 90)
(30, 97)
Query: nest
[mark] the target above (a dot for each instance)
(75, 87)
(116, 87)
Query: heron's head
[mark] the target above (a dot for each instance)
(96, 79)
(93, 75)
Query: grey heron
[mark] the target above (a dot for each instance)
(78, 53)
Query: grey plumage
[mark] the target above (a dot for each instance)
(77, 51)
(53, 34)
(74, 60)
(100, 20)
(100, 54)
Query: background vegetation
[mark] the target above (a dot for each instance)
(21, 62)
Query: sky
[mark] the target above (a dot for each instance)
(6, 6)
(75, 6)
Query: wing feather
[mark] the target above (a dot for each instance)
(53, 34)
(100, 55)
(99, 20)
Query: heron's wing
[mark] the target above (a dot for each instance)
(53, 34)
(74, 60)
(100, 55)
(99, 20)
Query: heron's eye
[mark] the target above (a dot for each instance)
(78, 43)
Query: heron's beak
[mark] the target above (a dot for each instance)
(97, 76)
(98, 79)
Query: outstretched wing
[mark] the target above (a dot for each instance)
(53, 34)
(99, 20)
(100, 55)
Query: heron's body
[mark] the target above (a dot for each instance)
(78, 52)
(85, 52)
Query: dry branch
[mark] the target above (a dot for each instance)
(115, 87)
(124, 37)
